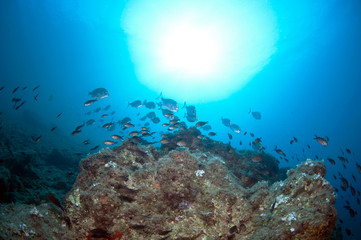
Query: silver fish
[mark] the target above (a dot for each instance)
(99, 93)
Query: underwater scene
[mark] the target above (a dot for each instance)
(180, 119)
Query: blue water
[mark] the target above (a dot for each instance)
(312, 84)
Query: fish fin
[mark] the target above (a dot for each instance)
(160, 96)
(184, 105)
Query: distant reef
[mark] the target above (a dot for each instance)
(202, 190)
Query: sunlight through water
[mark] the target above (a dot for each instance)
(200, 50)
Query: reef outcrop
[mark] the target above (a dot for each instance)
(140, 192)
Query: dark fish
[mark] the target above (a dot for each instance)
(55, 201)
(168, 103)
(168, 114)
(21, 104)
(291, 141)
(53, 129)
(200, 123)
(294, 138)
(94, 148)
(191, 114)
(90, 122)
(143, 118)
(75, 132)
(344, 183)
(343, 159)
(89, 102)
(36, 97)
(155, 120)
(358, 167)
(211, 134)
(251, 134)
(24, 88)
(79, 127)
(226, 122)
(321, 141)
(124, 121)
(1, 88)
(348, 151)
(333, 162)
(99, 93)
(15, 89)
(257, 158)
(36, 139)
(116, 137)
(207, 127)
(151, 115)
(36, 88)
(279, 151)
(86, 142)
(256, 115)
(245, 133)
(230, 136)
(128, 125)
(308, 146)
(16, 100)
(353, 177)
(353, 191)
(235, 128)
(59, 115)
(150, 105)
(104, 115)
(240, 142)
(97, 109)
(135, 104)
(107, 108)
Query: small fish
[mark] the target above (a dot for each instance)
(150, 105)
(90, 122)
(181, 143)
(358, 167)
(36, 88)
(279, 151)
(348, 151)
(333, 162)
(257, 140)
(240, 142)
(200, 123)
(55, 201)
(168, 103)
(75, 132)
(256, 115)
(135, 104)
(15, 89)
(86, 142)
(24, 88)
(106, 108)
(94, 148)
(257, 158)
(104, 115)
(291, 141)
(164, 141)
(165, 124)
(321, 141)
(53, 129)
(128, 125)
(211, 134)
(36, 139)
(1, 88)
(97, 109)
(308, 146)
(235, 128)
(143, 118)
(251, 134)
(108, 125)
(296, 140)
(21, 104)
(109, 142)
(36, 97)
(99, 93)
(89, 102)
(59, 115)
(226, 122)
(134, 133)
(207, 127)
(230, 136)
(116, 137)
(245, 133)
(155, 120)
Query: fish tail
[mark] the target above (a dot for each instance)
(160, 95)
(184, 105)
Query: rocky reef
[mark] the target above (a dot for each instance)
(191, 192)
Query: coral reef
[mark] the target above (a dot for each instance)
(140, 192)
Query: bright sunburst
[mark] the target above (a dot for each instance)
(199, 50)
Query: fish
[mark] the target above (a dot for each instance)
(226, 122)
(353, 191)
(321, 141)
(124, 121)
(21, 104)
(108, 125)
(207, 127)
(164, 141)
(86, 142)
(235, 128)
(348, 151)
(36, 97)
(36, 139)
(240, 142)
(89, 102)
(36, 88)
(106, 108)
(165, 124)
(191, 114)
(136, 104)
(55, 201)
(343, 159)
(296, 140)
(116, 137)
(155, 120)
(201, 123)
(1, 88)
(211, 134)
(358, 167)
(97, 109)
(24, 88)
(143, 118)
(94, 148)
(104, 115)
(344, 183)
(333, 162)
(75, 132)
(150, 105)
(255, 115)
(109, 142)
(90, 122)
(181, 143)
(291, 141)
(172, 127)
(15, 89)
(308, 146)
(251, 134)
(99, 93)
(134, 133)
(279, 151)
(151, 115)
(53, 129)
(128, 125)
(230, 136)
(168, 114)
(59, 115)
(257, 140)
(168, 103)
(257, 158)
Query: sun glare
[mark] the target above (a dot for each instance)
(182, 47)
